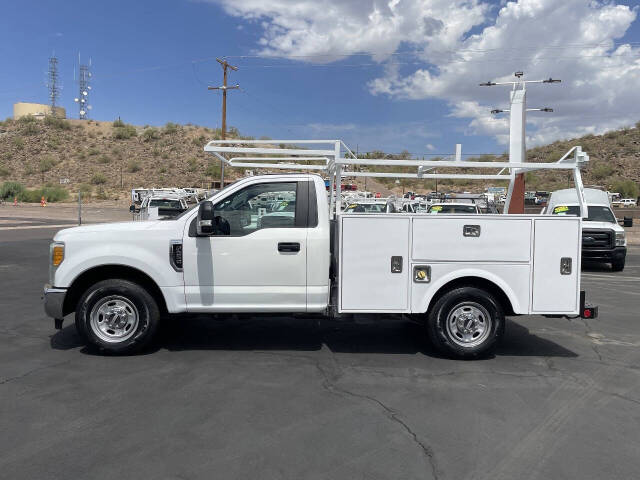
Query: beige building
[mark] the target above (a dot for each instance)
(23, 109)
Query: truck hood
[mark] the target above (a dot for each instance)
(108, 228)
(602, 225)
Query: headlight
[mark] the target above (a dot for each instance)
(56, 256)
(620, 239)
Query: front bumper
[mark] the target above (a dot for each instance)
(606, 255)
(54, 302)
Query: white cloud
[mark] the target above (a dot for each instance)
(464, 42)
(430, 147)
(294, 28)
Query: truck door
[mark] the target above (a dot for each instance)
(257, 258)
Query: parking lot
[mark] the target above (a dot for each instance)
(303, 398)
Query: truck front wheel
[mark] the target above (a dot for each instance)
(617, 265)
(117, 316)
(466, 322)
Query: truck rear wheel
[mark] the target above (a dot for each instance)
(117, 316)
(466, 322)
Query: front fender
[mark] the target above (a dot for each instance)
(149, 261)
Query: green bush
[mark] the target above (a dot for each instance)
(150, 134)
(192, 164)
(11, 189)
(104, 159)
(118, 123)
(101, 194)
(93, 151)
(85, 189)
(213, 169)
(30, 129)
(26, 120)
(18, 143)
(4, 171)
(30, 196)
(601, 170)
(52, 193)
(46, 164)
(124, 132)
(134, 166)
(171, 128)
(56, 122)
(626, 188)
(98, 179)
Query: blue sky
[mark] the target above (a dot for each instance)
(152, 62)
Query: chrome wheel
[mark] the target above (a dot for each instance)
(469, 324)
(114, 319)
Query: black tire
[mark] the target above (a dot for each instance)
(442, 322)
(130, 298)
(617, 265)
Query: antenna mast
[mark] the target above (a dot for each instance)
(84, 78)
(54, 89)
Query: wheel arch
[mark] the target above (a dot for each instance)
(104, 272)
(506, 300)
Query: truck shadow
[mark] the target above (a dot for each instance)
(364, 334)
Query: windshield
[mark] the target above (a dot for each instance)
(452, 208)
(596, 213)
(166, 203)
(366, 208)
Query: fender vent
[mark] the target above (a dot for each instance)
(175, 255)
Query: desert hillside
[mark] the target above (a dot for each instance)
(106, 159)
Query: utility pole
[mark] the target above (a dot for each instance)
(224, 88)
(517, 136)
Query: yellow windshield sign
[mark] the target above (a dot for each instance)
(436, 208)
(561, 209)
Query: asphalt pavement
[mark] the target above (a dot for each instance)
(298, 398)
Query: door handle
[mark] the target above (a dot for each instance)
(288, 247)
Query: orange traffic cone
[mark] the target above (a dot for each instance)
(43, 203)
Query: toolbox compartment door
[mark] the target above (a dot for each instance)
(374, 263)
(556, 239)
(498, 238)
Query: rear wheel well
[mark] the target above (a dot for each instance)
(477, 282)
(105, 272)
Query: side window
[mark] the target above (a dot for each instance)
(264, 205)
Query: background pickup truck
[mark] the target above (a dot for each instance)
(461, 274)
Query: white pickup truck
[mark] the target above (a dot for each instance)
(461, 274)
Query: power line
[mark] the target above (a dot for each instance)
(445, 51)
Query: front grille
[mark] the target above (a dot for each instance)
(597, 239)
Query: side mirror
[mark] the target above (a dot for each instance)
(132, 208)
(204, 222)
